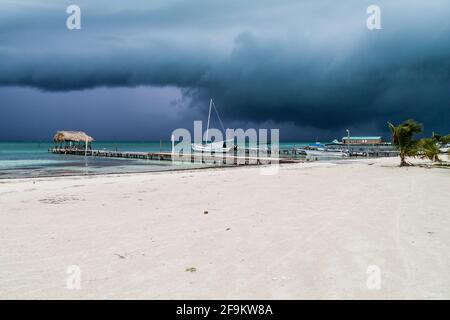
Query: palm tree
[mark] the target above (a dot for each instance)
(441, 141)
(445, 139)
(402, 138)
(428, 148)
(437, 137)
(440, 138)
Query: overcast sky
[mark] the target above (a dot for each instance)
(139, 69)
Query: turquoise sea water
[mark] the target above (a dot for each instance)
(32, 159)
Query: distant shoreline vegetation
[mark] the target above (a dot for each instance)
(402, 138)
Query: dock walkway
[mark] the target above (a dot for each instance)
(218, 158)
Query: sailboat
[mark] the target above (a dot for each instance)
(216, 146)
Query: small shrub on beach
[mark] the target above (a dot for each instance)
(428, 148)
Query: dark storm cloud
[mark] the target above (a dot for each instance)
(309, 63)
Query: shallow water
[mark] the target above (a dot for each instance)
(32, 159)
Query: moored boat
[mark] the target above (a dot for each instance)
(324, 152)
(216, 146)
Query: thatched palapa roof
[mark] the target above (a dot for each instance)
(75, 136)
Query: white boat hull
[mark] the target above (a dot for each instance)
(216, 147)
(323, 153)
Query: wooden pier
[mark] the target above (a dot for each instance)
(241, 157)
(209, 158)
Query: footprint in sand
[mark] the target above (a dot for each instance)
(61, 199)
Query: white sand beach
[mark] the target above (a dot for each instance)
(309, 232)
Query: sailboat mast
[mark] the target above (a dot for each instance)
(209, 116)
